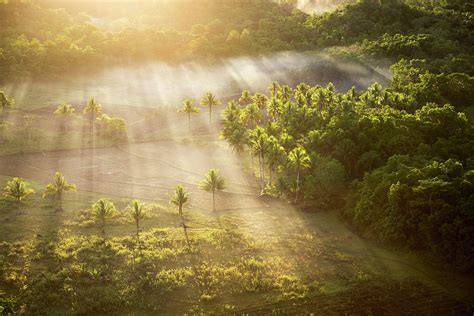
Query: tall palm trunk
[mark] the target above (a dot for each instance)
(297, 185)
(189, 121)
(184, 226)
(137, 222)
(92, 128)
(210, 116)
(214, 200)
(60, 198)
(102, 228)
(251, 156)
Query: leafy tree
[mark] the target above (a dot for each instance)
(189, 109)
(103, 210)
(17, 189)
(65, 110)
(299, 160)
(179, 198)
(113, 127)
(209, 100)
(213, 182)
(57, 188)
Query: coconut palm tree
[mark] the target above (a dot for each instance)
(65, 110)
(274, 88)
(299, 160)
(261, 101)
(285, 93)
(6, 104)
(57, 188)
(209, 100)
(17, 189)
(179, 198)
(245, 98)
(258, 144)
(137, 212)
(103, 210)
(251, 115)
(274, 108)
(238, 140)
(275, 154)
(92, 108)
(189, 109)
(213, 182)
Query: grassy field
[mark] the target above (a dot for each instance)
(253, 255)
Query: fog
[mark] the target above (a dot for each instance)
(318, 6)
(160, 84)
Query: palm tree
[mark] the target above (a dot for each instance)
(238, 140)
(210, 101)
(92, 107)
(274, 108)
(102, 210)
(261, 101)
(57, 188)
(65, 110)
(179, 198)
(258, 143)
(213, 182)
(285, 93)
(6, 103)
(188, 108)
(17, 189)
(299, 160)
(137, 212)
(251, 115)
(245, 98)
(275, 154)
(274, 88)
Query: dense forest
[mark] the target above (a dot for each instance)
(220, 205)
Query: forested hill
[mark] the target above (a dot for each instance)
(38, 39)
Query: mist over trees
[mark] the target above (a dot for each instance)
(294, 198)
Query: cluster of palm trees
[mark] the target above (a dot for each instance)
(114, 126)
(209, 100)
(254, 123)
(18, 189)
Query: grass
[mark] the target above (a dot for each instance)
(265, 258)
(232, 266)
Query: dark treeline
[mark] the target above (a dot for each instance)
(38, 39)
(407, 162)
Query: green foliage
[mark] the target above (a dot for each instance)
(102, 210)
(319, 140)
(112, 127)
(17, 189)
(57, 188)
(180, 197)
(424, 204)
(213, 182)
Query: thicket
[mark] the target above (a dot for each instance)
(408, 159)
